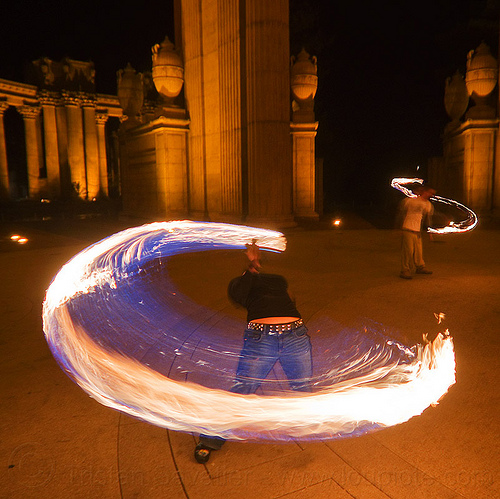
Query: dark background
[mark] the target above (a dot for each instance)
(382, 67)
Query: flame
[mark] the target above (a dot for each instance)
(19, 239)
(384, 389)
(469, 223)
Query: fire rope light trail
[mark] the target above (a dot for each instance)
(168, 361)
(465, 225)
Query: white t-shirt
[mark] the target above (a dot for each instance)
(414, 211)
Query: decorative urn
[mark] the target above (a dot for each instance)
(304, 76)
(482, 71)
(456, 96)
(168, 70)
(130, 91)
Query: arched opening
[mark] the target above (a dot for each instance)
(16, 154)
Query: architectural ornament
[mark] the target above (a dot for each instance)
(29, 112)
(130, 90)
(168, 70)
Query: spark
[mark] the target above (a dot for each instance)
(115, 363)
(440, 317)
(465, 225)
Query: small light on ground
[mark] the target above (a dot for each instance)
(18, 239)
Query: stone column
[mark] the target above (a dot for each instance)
(62, 147)
(91, 147)
(304, 83)
(31, 123)
(76, 154)
(230, 139)
(101, 118)
(267, 81)
(48, 103)
(304, 169)
(4, 169)
(213, 69)
(194, 68)
(496, 178)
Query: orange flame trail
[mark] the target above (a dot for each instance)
(384, 396)
(469, 223)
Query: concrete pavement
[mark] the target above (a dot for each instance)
(56, 442)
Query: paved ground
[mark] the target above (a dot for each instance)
(56, 442)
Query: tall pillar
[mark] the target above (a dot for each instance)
(304, 83)
(304, 169)
(30, 115)
(237, 74)
(101, 118)
(76, 154)
(194, 68)
(496, 178)
(212, 66)
(4, 168)
(268, 116)
(212, 69)
(91, 147)
(231, 152)
(62, 147)
(48, 103)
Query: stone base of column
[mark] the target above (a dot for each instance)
(468, 168)
(154, 168)
(304, 170)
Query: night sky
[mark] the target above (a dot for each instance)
(382, 67)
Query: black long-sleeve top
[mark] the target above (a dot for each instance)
(263, 295)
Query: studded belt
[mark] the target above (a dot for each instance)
(275, 329)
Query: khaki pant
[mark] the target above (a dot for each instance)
(411, 251)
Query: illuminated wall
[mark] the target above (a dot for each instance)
(238, 95)
(64, 121)
(470, 168)
(247, 157)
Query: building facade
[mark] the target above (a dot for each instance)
(222, 128)
(469, 170)
(64, 131)
(231, 134)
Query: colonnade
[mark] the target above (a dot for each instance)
(64, 137)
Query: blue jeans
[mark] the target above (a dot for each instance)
(260, 353)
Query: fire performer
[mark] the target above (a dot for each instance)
(416, 213)
(275, 331)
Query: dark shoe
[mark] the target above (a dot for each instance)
(405, 275)
(202, 453)
(423, 270)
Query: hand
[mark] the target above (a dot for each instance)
(253, 254)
